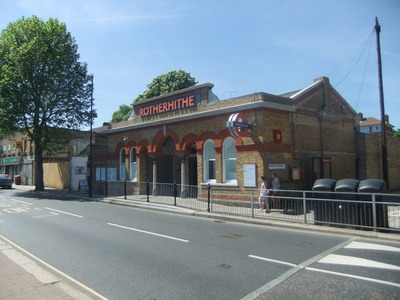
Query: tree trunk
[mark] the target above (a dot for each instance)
(39, 182)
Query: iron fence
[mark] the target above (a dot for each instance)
(365, 211)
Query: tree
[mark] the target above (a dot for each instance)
(123, 113)
(167, 83)
(44, 89)
(396, 134)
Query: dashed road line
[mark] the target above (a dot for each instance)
(64, 212)
(23, 202)
(52, 214)
(273, 260)
(149, 232)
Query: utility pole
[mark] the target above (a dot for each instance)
(381, 101)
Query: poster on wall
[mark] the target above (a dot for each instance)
(111, 174)
(79, 170)
(249, 175)
(100, 174)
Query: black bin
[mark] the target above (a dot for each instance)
(346, 211)
(323, 210)
(364, 210)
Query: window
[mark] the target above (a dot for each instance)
(209, 161)
(229, 160)
(133, 170)
(122, 168)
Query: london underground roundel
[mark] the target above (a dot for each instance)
(238, 125)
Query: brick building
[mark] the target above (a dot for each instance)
(63, 170)
(183, 137)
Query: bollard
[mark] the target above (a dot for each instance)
(209, 197)
(125, 189)
(148, 190)
(106, 189)
(252, 203)
(175, 192)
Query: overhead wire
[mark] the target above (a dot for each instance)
(358, 59)
(364, 73)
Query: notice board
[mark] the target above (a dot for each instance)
(250, 175)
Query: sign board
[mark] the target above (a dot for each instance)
(296, 174)
(276, 166)
(83, 185)
(250, 175)
(10, 160)
(165, 106)
(80, 170)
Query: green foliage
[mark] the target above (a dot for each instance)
(123, 113)
(43, 86)
(167, 83)
(396, 134)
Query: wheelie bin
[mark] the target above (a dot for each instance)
(346, 190)
(323, 210)
(364, 215)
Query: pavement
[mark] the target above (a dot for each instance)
(22, 278)
(25, 277)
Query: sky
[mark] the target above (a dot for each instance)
(240, 46)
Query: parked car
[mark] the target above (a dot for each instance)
(5, 181)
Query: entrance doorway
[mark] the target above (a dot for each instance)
(321, 167)
(166, 164)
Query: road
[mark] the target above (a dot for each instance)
(128, 253)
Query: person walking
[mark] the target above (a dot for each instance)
(275, 187)
(263, 198)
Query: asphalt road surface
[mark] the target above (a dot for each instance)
(130, 253)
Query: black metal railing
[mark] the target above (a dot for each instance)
(367, 211)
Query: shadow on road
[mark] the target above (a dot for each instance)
(55, 195)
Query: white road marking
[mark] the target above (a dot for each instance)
(354, 276)
(356, 261)
(64, 212)
(149, 232)
(369, 246)
(52, 214)
(273, 260)
(27, 203)
(15, 210)
(62, 286)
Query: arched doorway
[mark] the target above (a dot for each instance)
(167, 170)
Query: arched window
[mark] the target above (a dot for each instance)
(122, 167)
(209, 161)
(229, 160)
(133, 169)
